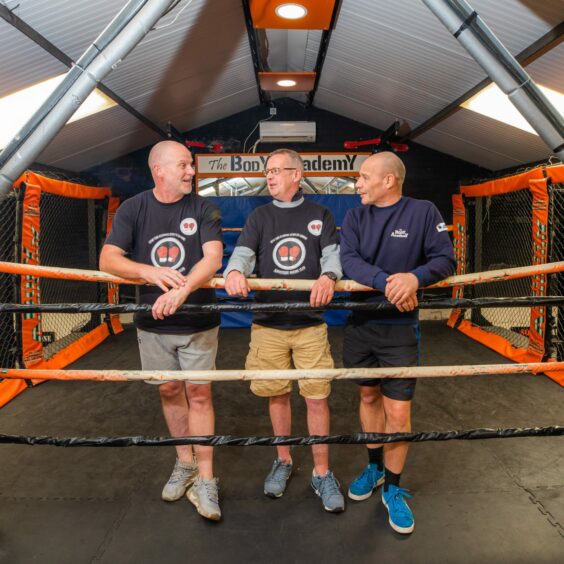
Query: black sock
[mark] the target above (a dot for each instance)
(376, 456)
(391, 479)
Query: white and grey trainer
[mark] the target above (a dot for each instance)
(275, 482)
(204, 494)
(183, 476)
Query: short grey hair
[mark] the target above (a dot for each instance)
(294, 157)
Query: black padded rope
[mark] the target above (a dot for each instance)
(228, 440)
(249, 305)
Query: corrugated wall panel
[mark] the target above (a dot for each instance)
(492, 136)
(380, 91)
(22, 62)
(71, 26)
(81, 144)
(396, 59)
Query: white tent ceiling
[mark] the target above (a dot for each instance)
(386, 60)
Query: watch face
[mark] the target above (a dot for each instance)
(331, 275)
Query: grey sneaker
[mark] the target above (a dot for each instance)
(275, 482)
(182, 477)
(204, 494)
(328, 489)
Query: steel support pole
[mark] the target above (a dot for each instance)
(477, 38)
(122, 34)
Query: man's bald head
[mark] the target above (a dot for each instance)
(390, 163)
(380, 179)
(172, 170)
(165, 151)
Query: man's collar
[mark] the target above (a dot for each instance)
(296, 200)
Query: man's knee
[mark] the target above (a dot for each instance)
(316, 405)
(398, 413)
(171, 390)
(199, 395)
(370, 395)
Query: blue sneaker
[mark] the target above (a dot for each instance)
(363, 486)
(401, 519)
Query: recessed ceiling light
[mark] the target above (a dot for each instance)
(286, 83)
(291, 11)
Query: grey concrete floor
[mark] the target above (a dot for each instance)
(474, 501)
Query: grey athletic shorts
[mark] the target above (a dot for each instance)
(160, 351)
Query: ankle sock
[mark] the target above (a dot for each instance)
(391, 479)
(376, 456)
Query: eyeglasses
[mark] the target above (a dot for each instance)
(277, 170)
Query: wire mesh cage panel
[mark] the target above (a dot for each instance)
(52, 221)
(500, 236)
(511, 222)
(8, 284)
(69, 238)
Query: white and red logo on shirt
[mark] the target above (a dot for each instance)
(315, 227)
(289, 253)
(188, 226)
(168, 252)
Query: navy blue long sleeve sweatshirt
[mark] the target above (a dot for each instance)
(408, 236)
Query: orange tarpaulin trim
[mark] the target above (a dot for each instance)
(113, 289)
(503, 185)
(75, 350)
(514, 182)
(539, 283)
(9, 389)
(32, 346)
(63, 187)
(459, 241)
(498, 344)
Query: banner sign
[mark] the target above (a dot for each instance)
(253, 164)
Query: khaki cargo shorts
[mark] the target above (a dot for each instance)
(275, 349)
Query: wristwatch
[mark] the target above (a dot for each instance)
(331, 276)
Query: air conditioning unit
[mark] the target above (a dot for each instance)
(287, 132)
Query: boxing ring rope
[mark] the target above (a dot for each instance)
(279, 283)
(228, 440)
(292, 374)
(250, 305)
(246, 375)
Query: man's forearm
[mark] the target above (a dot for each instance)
(121, 266)
(202, 271)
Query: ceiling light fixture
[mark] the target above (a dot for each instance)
(286, 83)
(17, 108)
(493, 103)
(291, 11)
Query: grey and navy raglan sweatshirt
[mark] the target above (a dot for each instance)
(296, 239)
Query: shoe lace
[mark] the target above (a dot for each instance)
(179, 473)
(399, 501)
(368, 474)
(329, 485)
(211, 490)
(280, 471)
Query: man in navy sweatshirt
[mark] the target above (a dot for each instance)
(395, 245)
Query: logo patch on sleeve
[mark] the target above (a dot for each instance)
(442, 227)
(188, 226)
(315, 227)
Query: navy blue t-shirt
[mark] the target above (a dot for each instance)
(288, 243)
(408, 236)
(168, 235)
